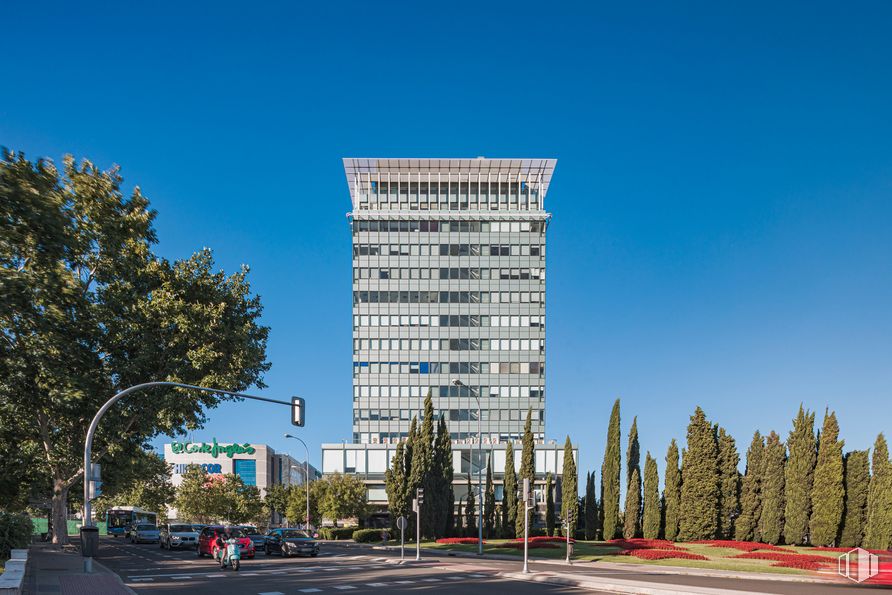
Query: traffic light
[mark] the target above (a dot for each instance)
(419, 495)
(297, 411)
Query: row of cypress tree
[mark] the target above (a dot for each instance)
(804, 491)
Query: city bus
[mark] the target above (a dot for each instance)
(119, 517)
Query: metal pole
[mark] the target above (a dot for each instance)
(526, 536)
(479, 481)
(567, 533)
(306, 478)
(402, 543)
(418, 531)
(91, 431)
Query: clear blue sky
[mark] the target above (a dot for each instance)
(722, 230)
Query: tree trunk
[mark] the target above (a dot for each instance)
(60, 512)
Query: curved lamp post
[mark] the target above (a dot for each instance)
(306, 478)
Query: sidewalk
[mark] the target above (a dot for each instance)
(52, 569)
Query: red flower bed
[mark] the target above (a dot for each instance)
(664, 554)
(638, 543)
(518, 545)
(545, 539)
(467, 540)
(803, 564)
(746, 546)
(784, 557)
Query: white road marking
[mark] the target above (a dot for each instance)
(179, 578)
(430, 580)
(376, 584)
(344, 587)
(310, 590)
(478, 575)
(455, 578)
(142, 579)
(271, 593)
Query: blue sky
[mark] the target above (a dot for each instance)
(722, 230)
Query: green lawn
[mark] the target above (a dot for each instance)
(719, 558)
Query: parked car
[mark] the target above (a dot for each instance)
(290, 542)
(144, 533)
(178, 535)
(207, 539)
(258, 538)
(197, 527)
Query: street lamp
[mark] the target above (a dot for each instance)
(459, 383)
(306, 478)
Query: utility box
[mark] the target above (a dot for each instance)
(90, 541)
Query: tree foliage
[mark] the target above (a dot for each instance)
(569, 487)
(395, 484)
(509, 498)
(145, 484)
(771, 521)
(527, 471)
(549, 505)
(88, 309)
(632, 509)
(828, 493)
(746, 528)
(441, 476)
(337, 496)
(489, 504)
(699, 481)
(729, 484)
(799, 477)
(471, 511)
(878, 533)
(590, 508)
(217, 498)
(650, 525)
(610, 471)
(672, 493)
(856, 469)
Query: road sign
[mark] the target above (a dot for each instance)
(526, 489)
(297, 411)
(402, 523)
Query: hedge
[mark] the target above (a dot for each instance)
(334, 533)
(15, 532)
(368, 535)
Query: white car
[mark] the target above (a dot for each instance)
(178, 536)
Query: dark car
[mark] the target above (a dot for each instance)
(258, 538)
(290, 542)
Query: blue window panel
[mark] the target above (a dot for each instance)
(424, 367)
(247, 470)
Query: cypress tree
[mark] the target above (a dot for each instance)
(610, 471)
(459, 521)
(650, 526)
(699, 481)
(569, 488)
(799, 477)
(395, 484)
(729, 484)
(421, 469)
(527, 470)
(413, 479)
(590, 511)
(828, 494)
(856, 471)
(746, 527)
(672, 493)
(489, 504)
(441, 494)
(774, 457)
(471, 511)
(549, 506)
(509, 499)
(632, 509)
(878, 534)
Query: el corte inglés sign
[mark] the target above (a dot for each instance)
(212, 449)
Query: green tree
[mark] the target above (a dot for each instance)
(569, 487)
(610, 471)
(527, 470)
(549, 506)
(146, 484)
(878, 533)
(590, 510)
(632, 509)
(699, 481)
(217, 498)
(509, 498)
(339, 496)
(88, 309)
(856, 465)
(395, 483)
(746, 528)
(650, 525)
(828, 493)
(471, 511)
(459, 523)
(774, 458)
(422, 466)
(672, 493)
(729, 484)
(441, 475)
(799, 477)
(489, 504)
(276, 499)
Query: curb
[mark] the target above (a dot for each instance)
(116, 575)
(613, 585)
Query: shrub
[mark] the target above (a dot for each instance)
(802, 564)
(368, 535)
(664, 554)
(466, 540)
(333, 533)
(746, 546)
(15, 532)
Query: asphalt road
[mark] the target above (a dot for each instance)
(148, 569)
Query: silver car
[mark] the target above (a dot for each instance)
(178, 536)
(144, 533)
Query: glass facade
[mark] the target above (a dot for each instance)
(448, 295)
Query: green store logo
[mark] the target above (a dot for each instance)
(212, 449)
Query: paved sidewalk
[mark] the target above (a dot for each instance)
(53, 569)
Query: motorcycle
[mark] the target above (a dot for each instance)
(231, 555)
